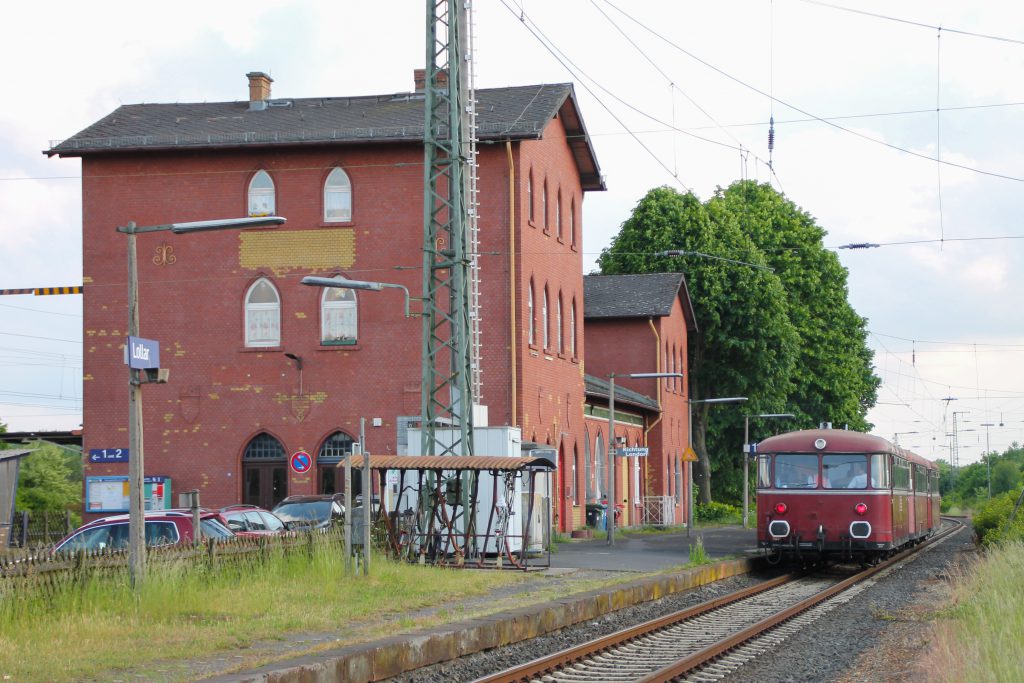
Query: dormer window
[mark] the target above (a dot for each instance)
(337, 197)
(262, 196)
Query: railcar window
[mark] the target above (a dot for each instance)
(845, 471)
(794, 471)
(900, 474)
(764, 472)
(920, 479)
(880, 471)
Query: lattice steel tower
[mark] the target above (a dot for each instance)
(448, 345)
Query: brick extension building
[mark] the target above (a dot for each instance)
(262, 367)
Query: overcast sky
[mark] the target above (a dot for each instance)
(673, 93)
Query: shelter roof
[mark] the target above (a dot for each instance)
(451, 462)
(596, 386)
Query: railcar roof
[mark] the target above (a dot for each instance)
(836, 440)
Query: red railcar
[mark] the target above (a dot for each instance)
(829, 494)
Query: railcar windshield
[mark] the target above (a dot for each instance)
(796, 471)
(845, 471)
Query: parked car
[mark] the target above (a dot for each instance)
(162, 527)
(316, 511)
(252, 520)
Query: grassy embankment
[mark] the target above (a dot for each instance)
(979, 637)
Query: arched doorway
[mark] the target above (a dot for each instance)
(264, 472)
(331, 478)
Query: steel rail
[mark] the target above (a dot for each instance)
(538, 667)
(712, 652)
(545, 665)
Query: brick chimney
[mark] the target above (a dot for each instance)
(259, 90)
(419, 77)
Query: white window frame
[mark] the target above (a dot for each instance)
(530, 338)
(558, 215)
(572, 328)
(545, 331)
(333, 312)
(338, 186)
(267, 314)
(559, 346)
(262, 199)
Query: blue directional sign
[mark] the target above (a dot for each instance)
(143, 354)
(108, 455)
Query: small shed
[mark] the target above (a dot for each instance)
(10, 460)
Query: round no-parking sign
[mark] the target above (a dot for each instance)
(300, 462)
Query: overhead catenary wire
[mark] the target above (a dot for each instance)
(827, 122)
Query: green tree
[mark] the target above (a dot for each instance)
(47, 481)
(1005, 476)
(745, 344)
(833, 380)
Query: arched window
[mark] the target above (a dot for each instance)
(338, 319)
(262, 314)
(261, 195)
(558, 324)
(529, 196)
(337, 197)
(558, 215)
(599, 457)
(572, 329)
(529, 312)
(334, 448)
(572, 221)
(264, 447)
(588, 469)
(544, 204)
(575, 470)
(544, 319)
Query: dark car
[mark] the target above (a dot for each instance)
(315, 511)
(162, 527)
(252, 520)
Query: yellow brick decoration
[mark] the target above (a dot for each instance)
(213, 397)
(300, 315)
(168, 417)
(283, 251)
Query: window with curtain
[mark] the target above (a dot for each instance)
(572, 329)
(558, 324)
(588, 469)
(337, 197)
(262, 196)
(338, 317)
(558, 215)
(262, 314)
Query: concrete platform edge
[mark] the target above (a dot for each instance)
(389, 657)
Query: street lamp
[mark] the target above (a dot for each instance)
(136, 464)
(746, 458)
(343, 283)
(690, 520)
(612, 500)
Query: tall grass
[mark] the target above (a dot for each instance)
(91, 624)
(979, 638)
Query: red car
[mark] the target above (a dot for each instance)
(250, 520)
(163, 527)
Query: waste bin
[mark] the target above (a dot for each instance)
(596, 515)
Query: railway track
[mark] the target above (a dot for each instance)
(708, 641)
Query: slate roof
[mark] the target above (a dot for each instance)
(512, 113)
(595, 386)
(636, 296)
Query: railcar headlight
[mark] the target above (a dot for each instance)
(860, 508)
(780, 508)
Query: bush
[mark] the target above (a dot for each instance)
(990, 521)
(717, 512)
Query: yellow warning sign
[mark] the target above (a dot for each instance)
(689, 455)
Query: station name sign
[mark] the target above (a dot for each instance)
(633, 452)
(143, 354)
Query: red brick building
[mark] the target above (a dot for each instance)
(261, 367)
